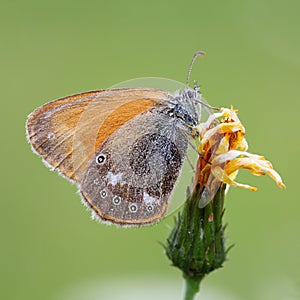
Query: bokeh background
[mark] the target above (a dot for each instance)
(50, 248)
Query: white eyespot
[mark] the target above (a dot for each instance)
(116, 200)
(133, 207)
(103, 193)
(150, 208)
(51, 136)
(100, 159)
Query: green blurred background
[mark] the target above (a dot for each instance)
(50, 248)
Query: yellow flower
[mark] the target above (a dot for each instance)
(223, 150)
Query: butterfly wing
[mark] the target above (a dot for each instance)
(66, 132)
(130, 178)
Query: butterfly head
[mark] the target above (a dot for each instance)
(185, 109)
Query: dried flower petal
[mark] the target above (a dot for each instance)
(223, 152)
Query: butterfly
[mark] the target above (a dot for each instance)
(124, 148)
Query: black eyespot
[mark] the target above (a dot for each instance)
(133, 208)
(100, 159)
(103, 193)
(116, 200)
(149, 208)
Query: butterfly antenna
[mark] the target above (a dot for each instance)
(198, 53)
(207, 105)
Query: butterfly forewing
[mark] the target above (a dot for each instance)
(67, 132)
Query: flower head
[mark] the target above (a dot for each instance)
(196, 244)
(223, 149)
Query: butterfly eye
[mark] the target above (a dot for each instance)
(100, 159)
(183, 116)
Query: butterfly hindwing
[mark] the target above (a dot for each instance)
(129, 180)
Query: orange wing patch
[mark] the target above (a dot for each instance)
(66, 132)
(120, 116)
(85, 97)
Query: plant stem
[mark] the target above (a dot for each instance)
(191, 287)
(196, 243)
